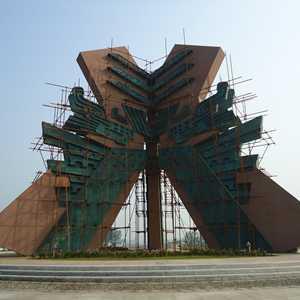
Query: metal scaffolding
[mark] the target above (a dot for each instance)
(176, 223)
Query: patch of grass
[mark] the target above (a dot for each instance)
(123, 253)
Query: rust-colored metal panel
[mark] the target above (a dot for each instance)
(153, 196)
(273, 210)
(29, 218)
(206, 62)
(95, 65)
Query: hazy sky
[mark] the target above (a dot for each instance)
(40, 41)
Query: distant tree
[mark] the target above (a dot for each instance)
(114, 238)
(193, 239)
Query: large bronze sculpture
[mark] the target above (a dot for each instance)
(152, 121)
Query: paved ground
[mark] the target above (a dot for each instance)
(209, 274)
(291, 293)
(276, 277)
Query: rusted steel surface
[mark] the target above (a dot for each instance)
(25, 223)
(273, 210)
(153, 196)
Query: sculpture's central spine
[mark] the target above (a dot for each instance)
(153, 190)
